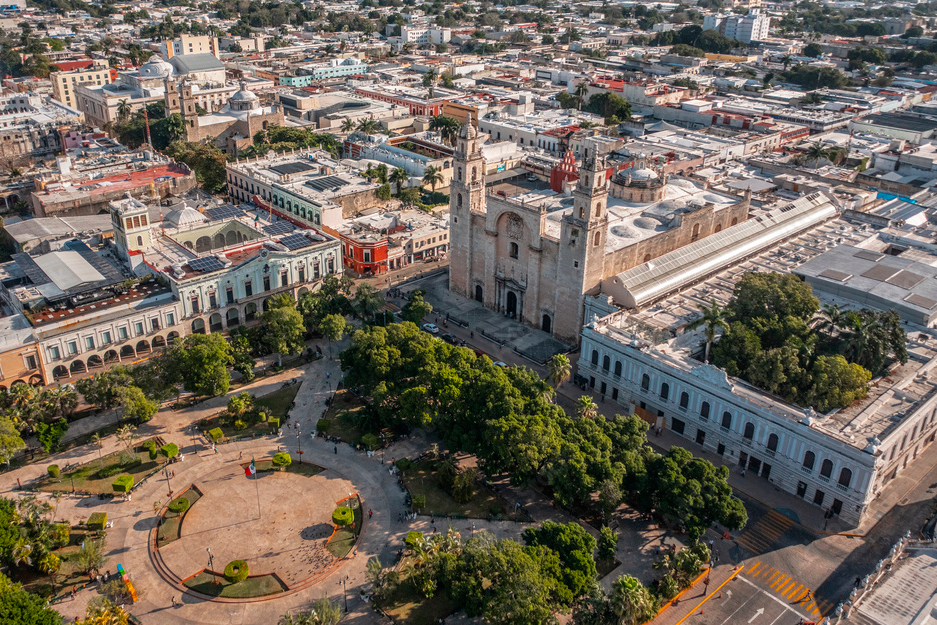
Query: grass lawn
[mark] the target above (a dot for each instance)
(171, 522)
(408, 607)
(97, 476)
(341, 416)
(344, 538)
(421, 480)
(65, 578)
(277, 403)
(214, 585)
(305, 468)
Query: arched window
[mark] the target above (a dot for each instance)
(726, 420)
(809, 459)
(474, 174)
(664, 391)
(617, 367)
(704, 410)
(695, 232)
(845, 477)
(460, 175)
(582, 212)
(647, 258)
(735, 220)
(684, 400)
(458, 201)
(645, 382)
(773, 442)
(718, 227)
(606, 363)
(595, 357)
(826, 469)
(597, 239)
(749, 432)
(513, 251)
(139, 240)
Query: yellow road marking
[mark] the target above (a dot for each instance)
(793, 590)
(752, 570)
(785, 587)
(780, 581)
(709, 596)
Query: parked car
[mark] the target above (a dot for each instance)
(431, 328)
(498, 363)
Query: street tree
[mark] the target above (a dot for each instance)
(10, 440)
(367, 302)
(282, 327)
(203, 360)
(19, 607)
(416, 309)
(713, 319)
(334, 328)
(135, 405)
(559, 369)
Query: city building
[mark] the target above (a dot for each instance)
(746, 28)
(65, 83)
(232, 128)
(422, 35)
(31, 126)
(190, 44)
(306, 75)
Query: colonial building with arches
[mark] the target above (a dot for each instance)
(536, 255)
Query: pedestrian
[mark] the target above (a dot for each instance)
(354, 552)
(335, 449)
(174, 601)
(808, 595)
(711, 543)
(743, 472)
(370, 513)
(472, 334)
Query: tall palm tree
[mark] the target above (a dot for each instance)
(175, 127)
(714, 318)
(558, 369)
(816, 151)
(580, 92)
(831, 319)
(369, 126)
(367, 302)
(447, 127)
(429, 80)
(786, 60)
(398, 177)
(631, 601)
(586, 408)
(123, 110)
(348, 125)
(432, 177)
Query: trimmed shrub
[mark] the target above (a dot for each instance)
(150, 446)
(262, 416)
(275, 422)
(179, 506)
(60, 534)
(170, 450)
(323, 425)
(49, 563)
(419, 501)
(123, 484)
(215, 434)
(370, 441)
(412, 539)
(343, 515)
(97, 521)
(282, 460)
(404, 463)
(236, 571)
(240, 425)
(53, 470)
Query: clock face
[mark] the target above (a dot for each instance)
(263, 253)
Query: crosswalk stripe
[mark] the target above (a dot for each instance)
(799, 596)
(816, 610)
(793, 590)
(771, 579)
(825, 606)
(769, 572)
(779, 582)
(785, 587)
(752, 570)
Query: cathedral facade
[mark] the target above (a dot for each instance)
(536, 257)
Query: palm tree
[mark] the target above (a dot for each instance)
(66, 398)
(429, 80)
(432, 177)
(714, 318)
(786, 60)
(398, 177)
(831, 319)
(586, 408)
(447, 127)
(580, 92)
(175, 127)
(631, 601)
(369, 126)
(123, 110)
(126, 436)
(816, 151)
(558, 369)
(348, 125)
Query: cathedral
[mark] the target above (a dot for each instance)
(535, 256)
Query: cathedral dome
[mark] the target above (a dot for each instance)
(183, 217)
(244, 95)
(157, 68)
(642, 174)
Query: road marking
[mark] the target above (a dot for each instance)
(793, 591)
(758, 613)
(785, 587)
(779, 582)
(752, 570)
(772, 597)
(760, 536)
(700, 604)
(738, 609)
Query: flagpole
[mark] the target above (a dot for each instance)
(257, 488)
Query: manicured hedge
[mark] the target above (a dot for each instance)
(150, 446)
(179, 506)
(275, 422)
(236, 571)
(123, 484)
(282, 459)
(170, 450)
(343, 515)
(97, 521)
(53, 470)
(323, 425)
(215, 434)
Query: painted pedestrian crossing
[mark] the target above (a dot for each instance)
(788, 589)
(759, 537)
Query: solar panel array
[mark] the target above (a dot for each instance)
(206, 264)
(326, 183)
(295, 242)
(228, 211)
(279, 227)
(291, 168)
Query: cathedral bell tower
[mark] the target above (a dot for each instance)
(467, 196)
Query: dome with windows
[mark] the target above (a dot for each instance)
(184, 217)
(157, 68)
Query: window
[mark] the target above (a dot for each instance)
(749, 432)
(212, 300)
(266, 283)
(284, 278)
(302, 274)
(704, 410)
(645, 382)
(122, 333)
(138, 328)
(89, 342)
(845, 478)
(606, 363)
(229, 295)
(773, 442)
(826, 469)
(726, 420)
(513, 250)
(248, 289)
(664, 391)
(105, 337)
(597, 239)
(315, 271)
(194, 305)
(678, 426)
(684, 401)
(595, 357)
(31, 362)
(72, 347)
(617, 368)
(170, 319)
(54, 353)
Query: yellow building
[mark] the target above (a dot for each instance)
(19, 353)
(65, 83)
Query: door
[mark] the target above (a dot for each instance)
(743, 458)
(837, 507)
(512, 305)
(754, 465)
(721, 449)
(479, 293)
(546, 325)
(700, 437)
(765, 470)
(603, 387)
(801, 489)
(818, 497)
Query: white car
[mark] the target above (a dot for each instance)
(498, 363)
(431, 328)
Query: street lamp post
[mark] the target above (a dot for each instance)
(211, 565)
(344, 594)
(299, 440)
(382, 447)
(168, 483)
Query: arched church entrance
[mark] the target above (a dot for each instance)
(547, 324)
(479, 293)
(512, 305)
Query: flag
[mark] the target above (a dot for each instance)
(251, 469)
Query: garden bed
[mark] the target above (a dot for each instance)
(216, 585)
(59, 586)
(344, 538)
(421, 479)
(341, 416)
(406, 606)
(276, 405)
(97, 477)
(306, 468)
(170, 524)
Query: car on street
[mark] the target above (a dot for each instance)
(431, 328)
(498, 363)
